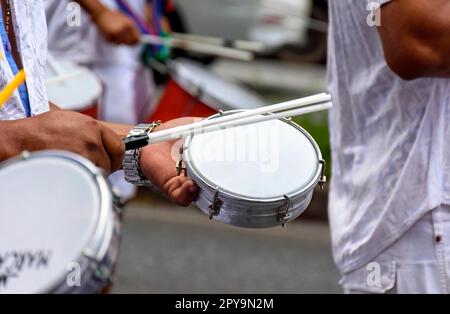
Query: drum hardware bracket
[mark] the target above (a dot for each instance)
(221, 112)
(283, 212)
(323, 178)
(180, 163)
(25, 155)
(214, 208)
(180, 168)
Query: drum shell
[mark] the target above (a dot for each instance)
(97, 273)
(251, 213)
(97, 260)
(246, 212)
(177, 103)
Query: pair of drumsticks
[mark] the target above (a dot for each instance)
(7, 92)
(287, 109)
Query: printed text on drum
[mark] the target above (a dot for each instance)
(12, 264)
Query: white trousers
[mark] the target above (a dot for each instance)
(419, 262)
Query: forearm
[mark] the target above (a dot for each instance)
(11, 141)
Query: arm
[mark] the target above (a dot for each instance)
(63, 130)
(158, 161)
(416, 37)
(113, 25)
(10, 143)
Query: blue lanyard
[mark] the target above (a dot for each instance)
(23, 92)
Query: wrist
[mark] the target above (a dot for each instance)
(98, 12)
(132, 161)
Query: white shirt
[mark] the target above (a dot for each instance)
(31, 35)
(119, 67)
(390, 141)
(82, 43)
(71, 35)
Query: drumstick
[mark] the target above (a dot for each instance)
(61, 78)
(253, 46)
(168, 134)
(156, 138)
(198, 47)
(7, 92)
(51, 62)
(292, 104)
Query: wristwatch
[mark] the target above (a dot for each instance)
(132, 160)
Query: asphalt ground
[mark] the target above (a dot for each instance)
(171, 250)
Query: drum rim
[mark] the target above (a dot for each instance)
(98, 245)
(86, 71)
(234, 196)
(193, 90)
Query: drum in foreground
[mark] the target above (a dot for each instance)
(193, 90)
(59, 228)
(73, 87)
(254, 176)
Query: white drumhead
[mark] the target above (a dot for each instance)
(225, 94)
(49, 212)
(260, 161)
(70, 86)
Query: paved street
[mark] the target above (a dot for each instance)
(167, 250)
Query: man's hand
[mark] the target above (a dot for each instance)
(74, 132)
(158, 163)
(117, 28)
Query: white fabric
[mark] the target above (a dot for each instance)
(31, 35)
(391, 157)
(75, 42)
(416, 263)
(128, 84)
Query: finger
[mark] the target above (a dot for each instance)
(135, 36)
(103, 160)
(114, 147)
(130, 35)
(183, 192)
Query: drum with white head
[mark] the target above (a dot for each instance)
(59, 227)
(72, 87)
(255, 176)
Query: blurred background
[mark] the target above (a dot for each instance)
(171, 250)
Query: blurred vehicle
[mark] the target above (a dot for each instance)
(292, 29)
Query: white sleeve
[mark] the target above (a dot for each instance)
(380, 2)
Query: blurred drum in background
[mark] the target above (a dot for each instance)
(255, 176)
(73, 87)
(194, 90)
(60, 228)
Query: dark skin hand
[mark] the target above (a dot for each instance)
(64, 130)
(416, 37)
(101, 143)
(158, 163)
(115, 27)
